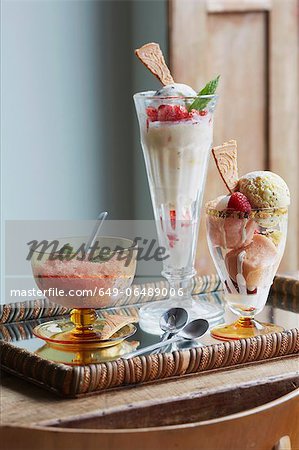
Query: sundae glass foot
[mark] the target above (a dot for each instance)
(244, 328)
(207, 307)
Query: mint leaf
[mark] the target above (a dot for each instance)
(209, 89)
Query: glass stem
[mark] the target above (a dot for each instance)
(83, 319)
(181, 289)
(245, 322)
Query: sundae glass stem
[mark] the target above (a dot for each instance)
(83, 319)
(245, 322)
(180, 288)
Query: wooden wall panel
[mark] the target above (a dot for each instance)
(283, 118)
(241, 109)
(245, 41)
(187, 22)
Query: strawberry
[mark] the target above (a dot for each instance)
(152, 114)
(172, 214)
(169, 113)
(181, 112)
(239, 202)
(166, 113)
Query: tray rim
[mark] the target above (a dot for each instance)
(75, 381)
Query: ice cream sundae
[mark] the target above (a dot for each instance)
(176, 130)
(246, 234)
(176, 143)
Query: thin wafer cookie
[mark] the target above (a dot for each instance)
(152, 57)
(225, 156)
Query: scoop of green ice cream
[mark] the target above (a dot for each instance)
(264, 189)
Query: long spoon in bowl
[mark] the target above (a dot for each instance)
(98, 225)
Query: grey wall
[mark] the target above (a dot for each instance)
(149, 25)
(69, 136)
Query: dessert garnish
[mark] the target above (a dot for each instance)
(239, 202)
(256, 190)
(225, 156)
(210, 88)
(152, 57)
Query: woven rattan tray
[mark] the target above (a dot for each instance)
(17, 321)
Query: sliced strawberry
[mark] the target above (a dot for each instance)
(181, 112)
(152, 114)
(203, 113)
(165, 113)
(170, 113)
(172, 214)
(239, 202)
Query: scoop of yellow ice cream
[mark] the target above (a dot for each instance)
(265, 189)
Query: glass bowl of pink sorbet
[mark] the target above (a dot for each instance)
(83, 281)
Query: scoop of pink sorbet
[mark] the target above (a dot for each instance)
(258, 263)
(230, 232)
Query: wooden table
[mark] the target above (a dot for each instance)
(209, 394)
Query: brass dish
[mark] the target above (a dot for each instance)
(60, 333)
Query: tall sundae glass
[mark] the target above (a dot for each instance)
(176, 141)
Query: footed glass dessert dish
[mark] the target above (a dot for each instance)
(247, 248)
(85, 281)
(176, 141)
